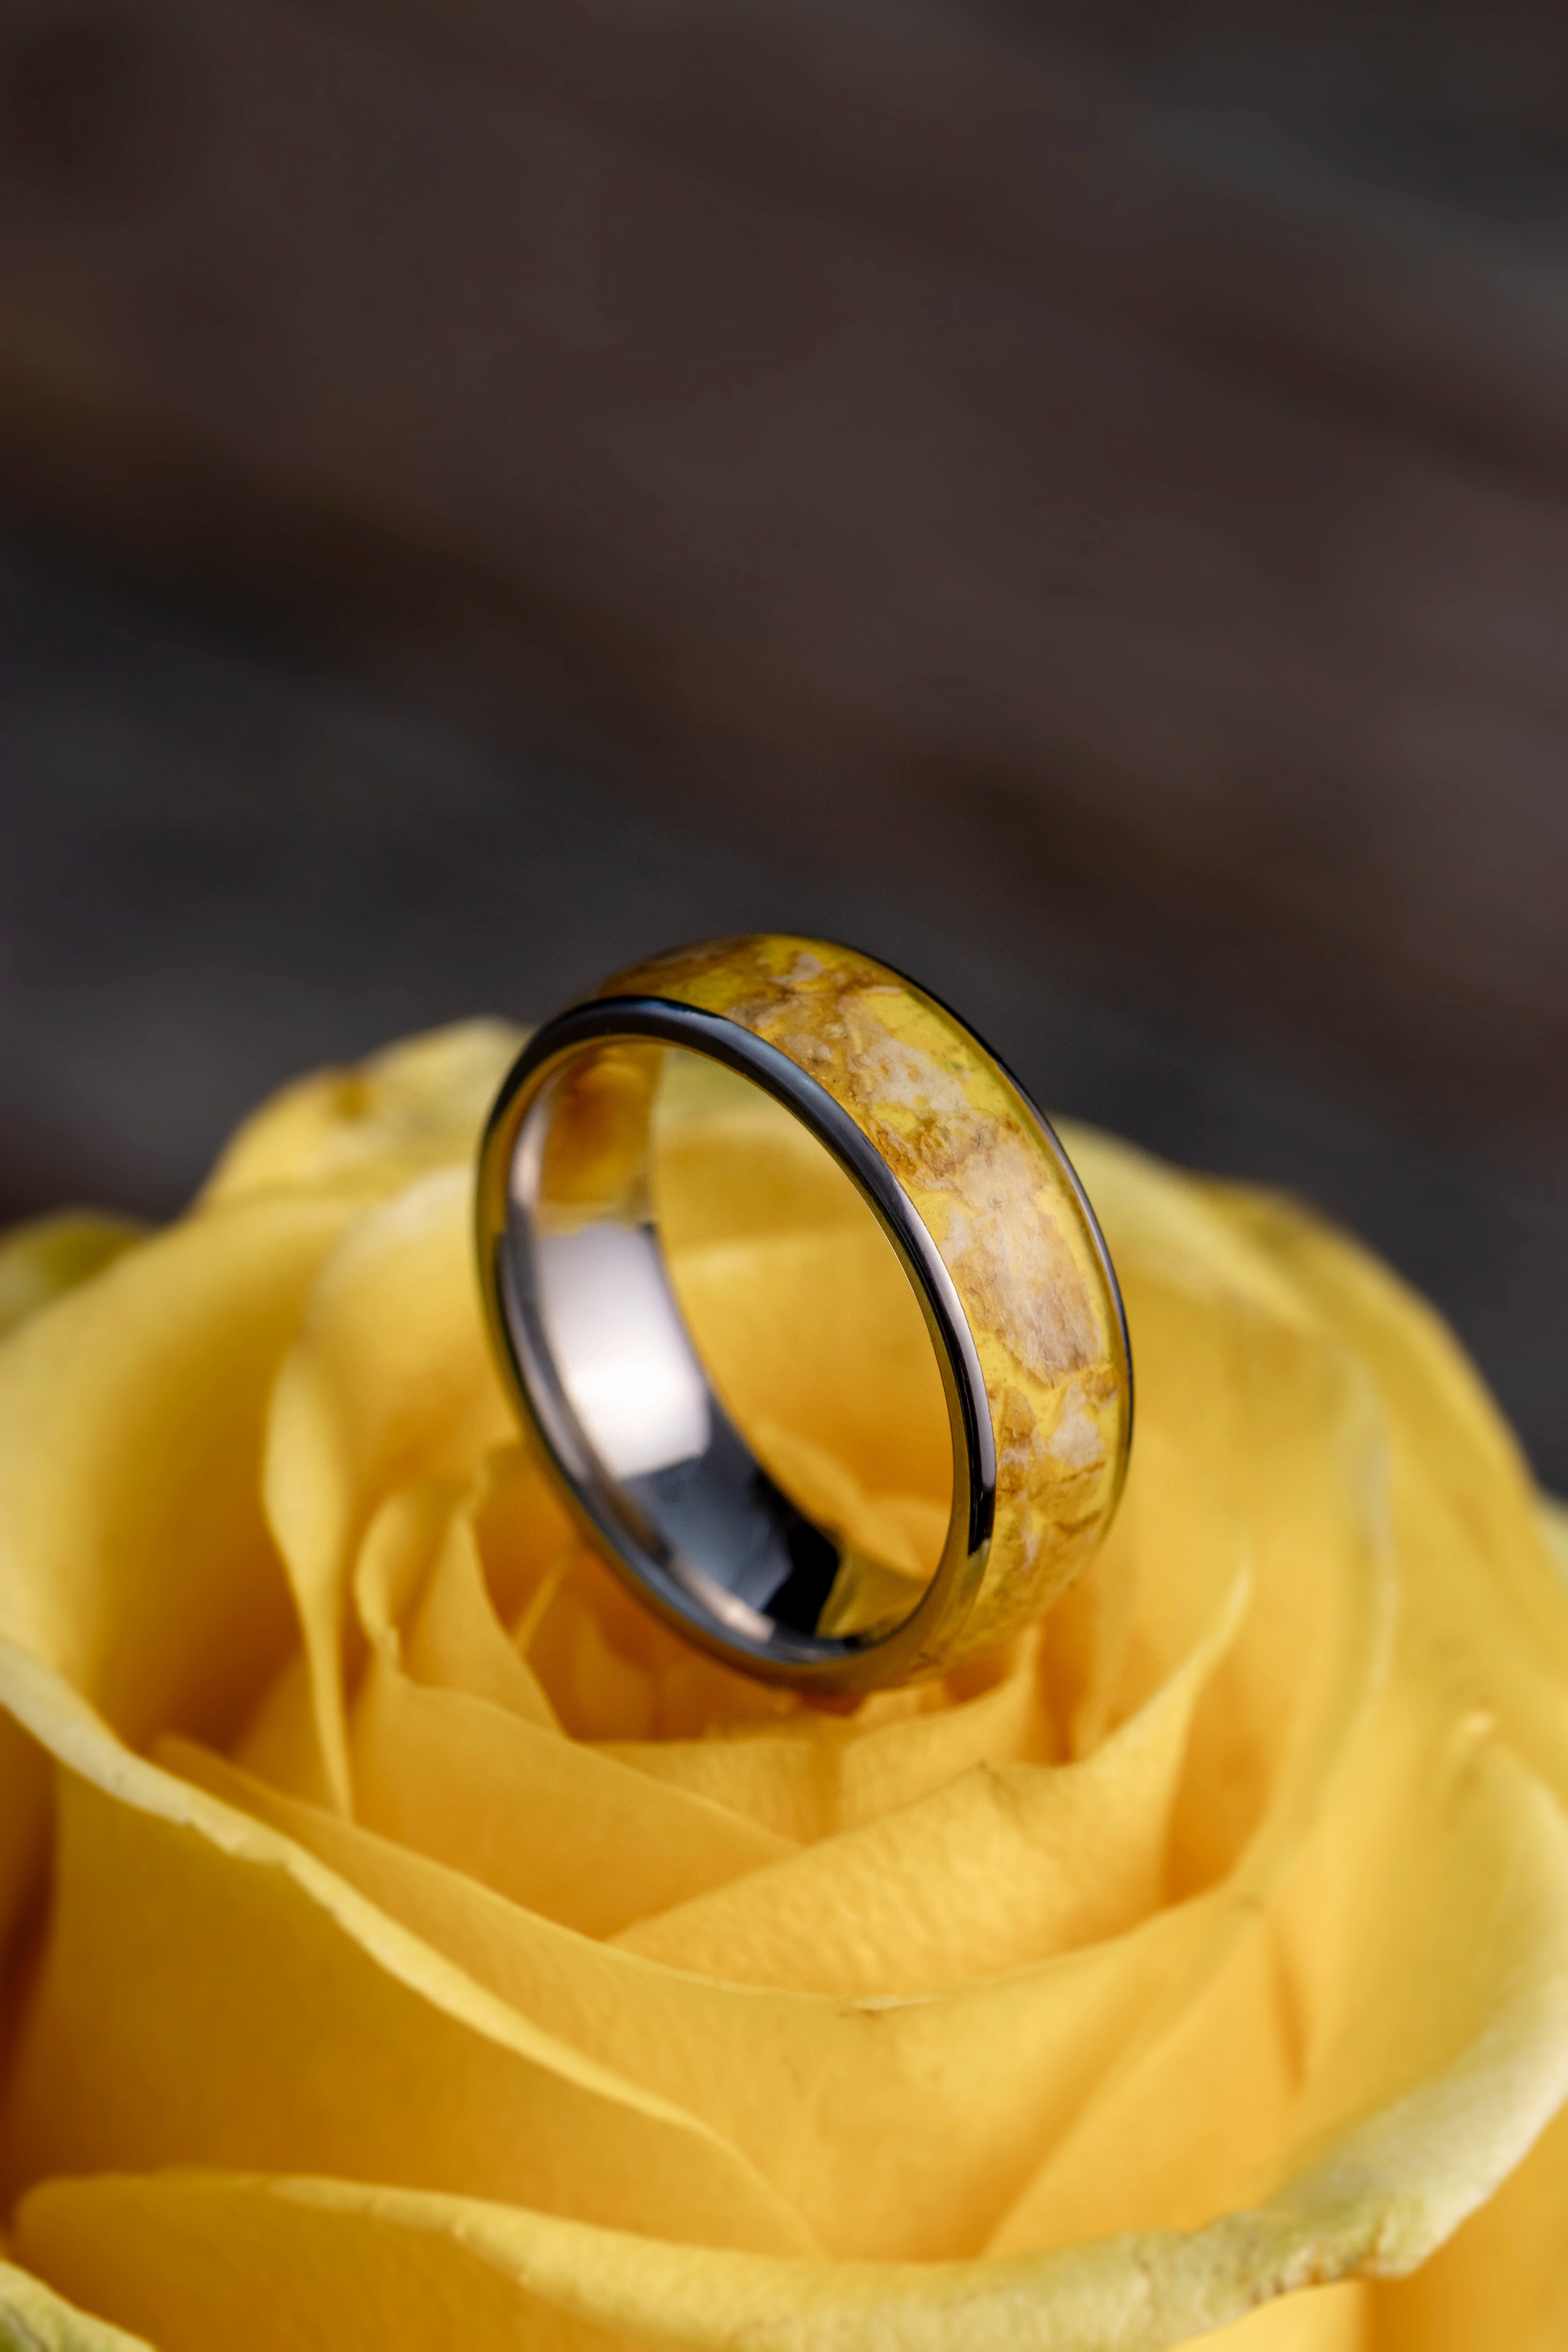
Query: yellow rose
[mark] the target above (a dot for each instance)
(409, 1943)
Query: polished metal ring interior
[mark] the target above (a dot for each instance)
(995, 1240)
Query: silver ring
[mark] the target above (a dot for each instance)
(595, 1347)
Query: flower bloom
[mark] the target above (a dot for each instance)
(408, 1942)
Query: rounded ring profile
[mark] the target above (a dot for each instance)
(994, 1236)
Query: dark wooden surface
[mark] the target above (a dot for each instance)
(1077, 496)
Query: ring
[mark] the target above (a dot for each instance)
(639, 1158)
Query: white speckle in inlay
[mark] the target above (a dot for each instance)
(1075, 1438)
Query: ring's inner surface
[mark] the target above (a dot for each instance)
(727, 1355)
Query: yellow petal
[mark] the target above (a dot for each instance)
(812, 1775)
(23, 1826)
(1502, 2279)
(135, 1555)
(197, 2259)
(250, 2009)
(548, 1822)
(456, 1641)
(136, 1559)
(1484, 1603)
(370, 1130)
(35, 2320)
(389, 1381)
(40, 1262)
(895, 2128)
(279, 1742)
(1319, 2319)
(1407, 1989)
(43, 1259)
(1005, 1866)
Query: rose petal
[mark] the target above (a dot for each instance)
(462, 1778)
(370, 1130)
(250, 2009)
(47, 1257)
(998, 1869)
(458, 1642)
(813, 1776)
(893, 2127)
(1354, 1978)
(1500, 2280)
(454, 1772)
(1319, 2319)
(24, 1836)
(1480, 1584)
(194, 2258)
(136, 1558)
(389, 1381)
(35, 2320)
(422, 1600)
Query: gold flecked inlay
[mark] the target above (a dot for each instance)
(994, 1194)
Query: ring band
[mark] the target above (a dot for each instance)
(984, 1215)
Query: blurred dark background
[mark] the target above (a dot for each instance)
(1073, 497)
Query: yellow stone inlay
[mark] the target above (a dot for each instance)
(997, 1198)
